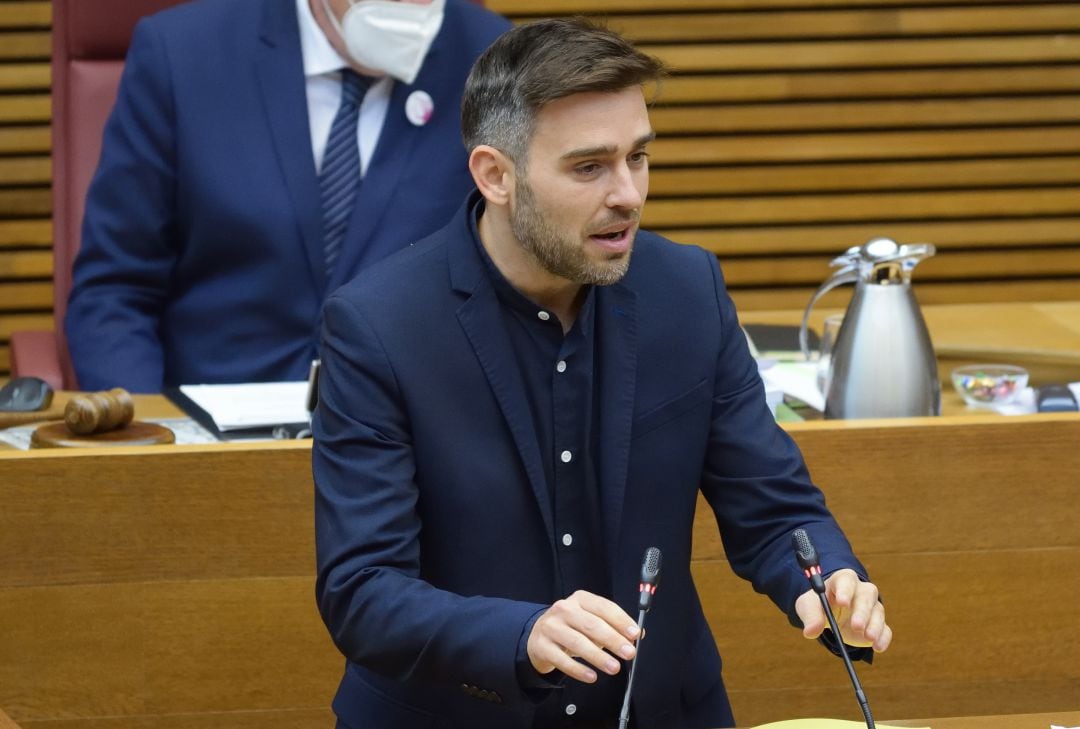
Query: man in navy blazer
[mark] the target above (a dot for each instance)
(513, 410)
(202, 255)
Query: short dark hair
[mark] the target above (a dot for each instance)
(537, 63)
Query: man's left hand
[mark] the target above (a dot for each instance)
(859, 614)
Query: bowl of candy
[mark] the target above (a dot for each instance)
(989, 385)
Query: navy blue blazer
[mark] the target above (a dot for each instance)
(201, 258)
(433, 522)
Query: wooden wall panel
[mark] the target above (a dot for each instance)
(808, 55)
(25, 174)
(869, 84)
(880, 176)
(23, 139)
(842, 23)
(869, 146)
(521, 7)
(17, 321)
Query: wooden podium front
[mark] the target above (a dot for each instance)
(969, 526)
(172, 586)
(163, 587)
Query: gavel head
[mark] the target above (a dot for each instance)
(99, 412)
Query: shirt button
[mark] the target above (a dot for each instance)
(567, 539)
(561, 366)
(571, 709)
(544, 316)
(565, 456)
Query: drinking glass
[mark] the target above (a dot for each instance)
(829, 329)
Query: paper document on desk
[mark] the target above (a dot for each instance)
(251, 405)
(823, 724)
(797, 379)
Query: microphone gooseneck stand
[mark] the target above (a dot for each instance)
(624, 715)
(650, 577)
(811, 566)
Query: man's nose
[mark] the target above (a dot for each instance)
(625, 192)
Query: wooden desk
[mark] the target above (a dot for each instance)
(169, 586)
(6, 722)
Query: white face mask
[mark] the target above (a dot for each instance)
(388, 35)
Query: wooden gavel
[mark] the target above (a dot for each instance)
(99, 412)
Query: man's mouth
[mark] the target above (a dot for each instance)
(614, 238)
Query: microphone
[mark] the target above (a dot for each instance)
(807, 557)
(650, 578)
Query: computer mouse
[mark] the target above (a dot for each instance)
(24, 395)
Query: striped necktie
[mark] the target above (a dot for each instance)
(339, 178)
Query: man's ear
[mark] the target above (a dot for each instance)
(493, 173)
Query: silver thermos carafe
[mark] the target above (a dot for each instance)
(882, 363)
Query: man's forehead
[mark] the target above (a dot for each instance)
(587, 102)
(594, 120)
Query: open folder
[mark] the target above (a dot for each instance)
(248, 410)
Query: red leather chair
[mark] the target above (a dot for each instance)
(89, 41)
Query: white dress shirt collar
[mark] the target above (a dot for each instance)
(319, 56)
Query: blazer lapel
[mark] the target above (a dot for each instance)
(481, 319)
(280, 73)
(617, 347)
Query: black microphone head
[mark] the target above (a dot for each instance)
(650, 566)
(650, 576)
(804, 549)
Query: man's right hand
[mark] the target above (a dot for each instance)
(584, 626)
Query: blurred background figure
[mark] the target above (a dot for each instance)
(260, 153)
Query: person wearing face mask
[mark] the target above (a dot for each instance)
(260, 153)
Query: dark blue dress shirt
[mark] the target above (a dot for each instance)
(557, 371)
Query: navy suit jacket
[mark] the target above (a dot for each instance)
(202, 257)
(433, 521)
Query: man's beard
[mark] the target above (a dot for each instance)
(555, 253)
